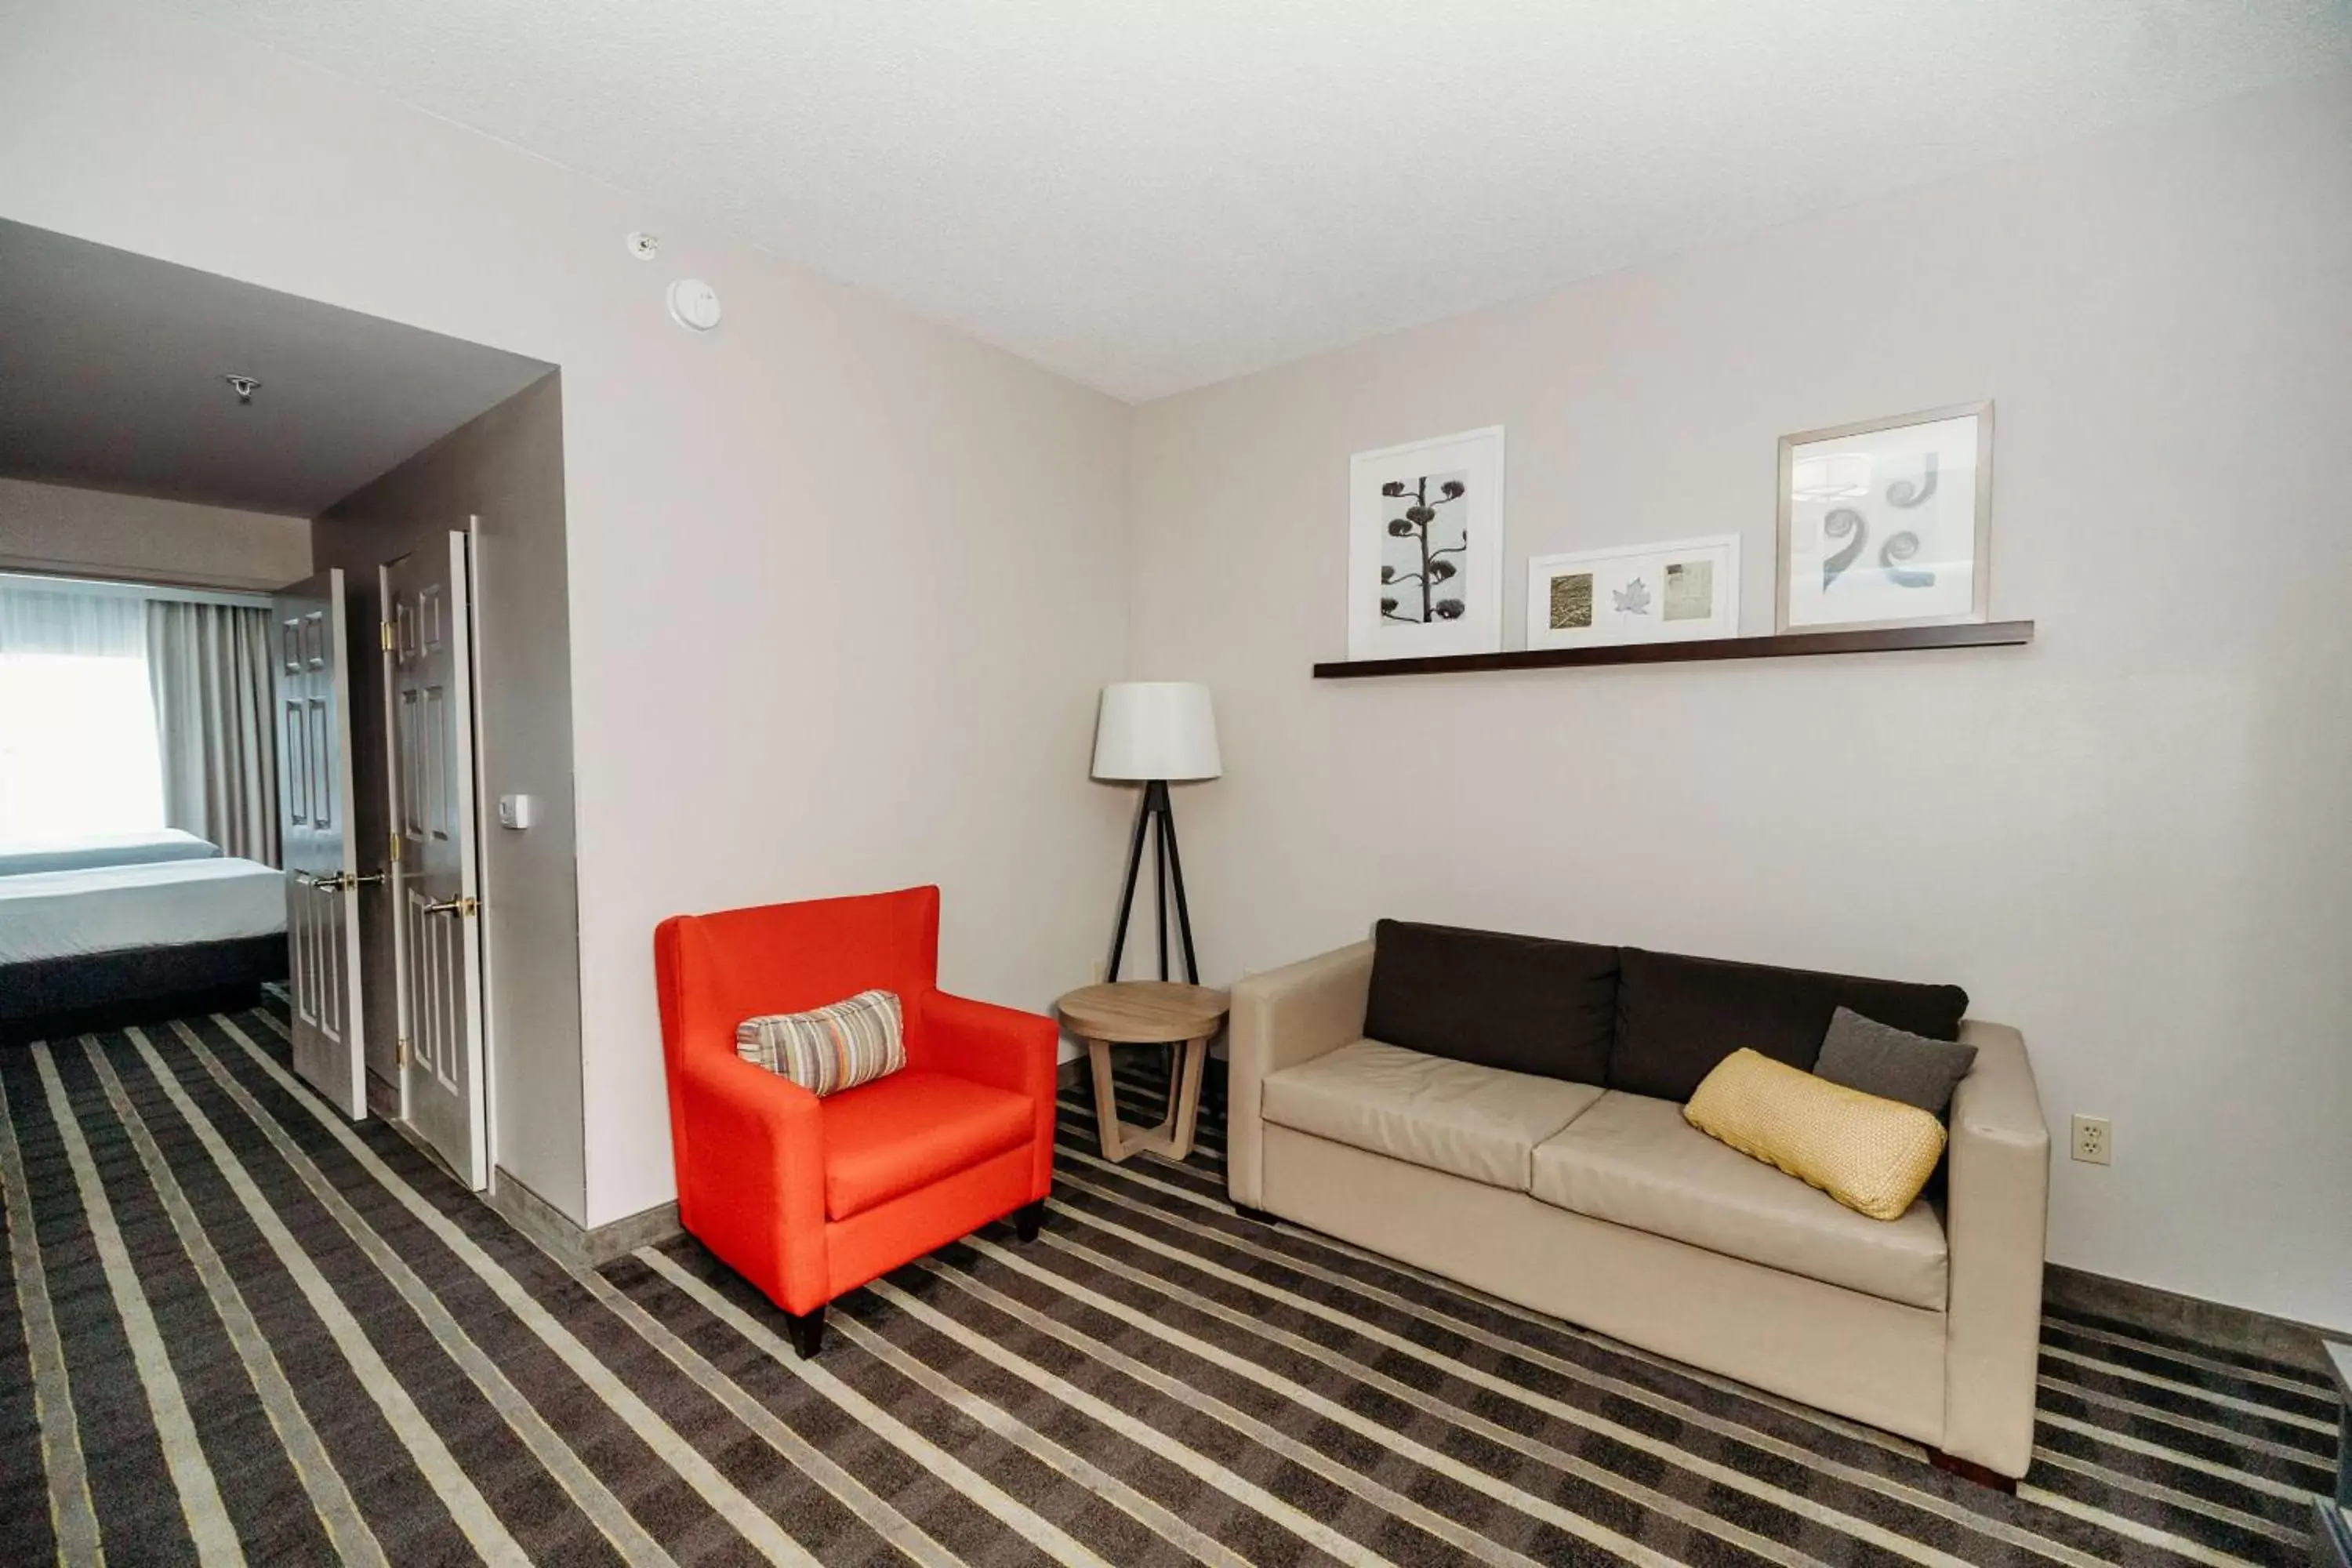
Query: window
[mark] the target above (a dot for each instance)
(79, 754)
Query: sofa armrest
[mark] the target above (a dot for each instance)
(1004, 1048)
(1280, 1019)
(1996, 1212)
(751, 1183)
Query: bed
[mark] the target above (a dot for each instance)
(20, 858)
(85, 948)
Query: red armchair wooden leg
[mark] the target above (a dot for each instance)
(808, 1332)
(1027, 1218)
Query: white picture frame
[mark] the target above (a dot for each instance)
(1417, 587)
(1888, 522)
(1680, 591)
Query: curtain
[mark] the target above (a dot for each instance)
(79, 626)
(215, 720)
(77, 748)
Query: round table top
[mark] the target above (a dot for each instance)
(1144, 1012)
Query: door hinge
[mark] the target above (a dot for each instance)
(396, 849)
(383, 634)
(402, 1051)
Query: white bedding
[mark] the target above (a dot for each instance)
(105, 909)
(21, 857)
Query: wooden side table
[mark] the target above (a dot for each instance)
(1146, 1012)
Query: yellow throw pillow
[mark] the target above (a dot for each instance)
(1871, 1155)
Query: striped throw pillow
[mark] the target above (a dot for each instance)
(828, 1049)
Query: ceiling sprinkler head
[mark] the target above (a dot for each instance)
(245, 386)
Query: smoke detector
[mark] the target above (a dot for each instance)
(695, 304)
(245, 386)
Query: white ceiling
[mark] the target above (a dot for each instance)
(113, 366)
(1151, 195)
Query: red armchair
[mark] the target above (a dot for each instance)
(810, 1199)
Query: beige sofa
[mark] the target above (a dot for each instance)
(1609, 1210)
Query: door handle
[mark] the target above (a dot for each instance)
(461, 908)
(342, 879)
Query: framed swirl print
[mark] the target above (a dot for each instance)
(1888, 522)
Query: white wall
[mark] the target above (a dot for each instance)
(842, 584)
(62, 529)
(2127, 839)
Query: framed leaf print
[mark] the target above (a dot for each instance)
(1636, 593)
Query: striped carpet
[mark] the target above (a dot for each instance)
(243, 1330)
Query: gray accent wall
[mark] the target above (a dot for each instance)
(505, 470)
(73, 531)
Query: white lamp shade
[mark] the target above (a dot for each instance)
(1156, 729)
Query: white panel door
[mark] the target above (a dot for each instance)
(436, 883)
(314, 821)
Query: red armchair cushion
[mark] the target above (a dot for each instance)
(909, 1129)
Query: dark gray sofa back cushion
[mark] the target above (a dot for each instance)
(1677, 1017)
(1523, 1002)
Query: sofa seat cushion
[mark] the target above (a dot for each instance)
(1469, 1121)
(1633, 1160)
(885, 1139)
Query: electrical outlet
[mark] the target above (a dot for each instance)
(1095, 972)
(2095, 1140)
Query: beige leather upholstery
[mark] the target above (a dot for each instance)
(1751, 1301)
(1474, 1121)
(1280, 1019)
(1634, 1160)
(1996, 1212)
(1872, 1360)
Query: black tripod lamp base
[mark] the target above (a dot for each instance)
(1155, 817)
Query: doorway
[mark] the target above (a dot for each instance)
(468, 988)
(211, 433)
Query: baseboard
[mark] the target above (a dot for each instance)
(2167, 1311)
(1069, 1074)
(565, 1238)
(2332, 1529)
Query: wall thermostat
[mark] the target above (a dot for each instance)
(514, 811)
(695, 304)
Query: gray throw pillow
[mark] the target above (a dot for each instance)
(1894, 1064)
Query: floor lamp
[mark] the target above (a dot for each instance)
(1155, 733)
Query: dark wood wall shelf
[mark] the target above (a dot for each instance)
(1790, 644)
